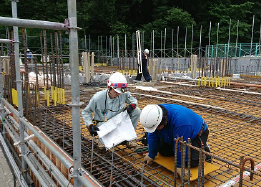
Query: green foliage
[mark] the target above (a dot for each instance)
(223, 13)
(120, 17)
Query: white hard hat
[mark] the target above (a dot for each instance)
(118, 82)
(146, 51)
(27, 49)
(151, 117)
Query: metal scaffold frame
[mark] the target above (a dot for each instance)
(71, 25)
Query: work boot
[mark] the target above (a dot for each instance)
(131, 144)
(207, 157)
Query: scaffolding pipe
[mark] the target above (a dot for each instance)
(30, 164)
(1, 90)
(5, 41)
(45, 160)
(74, 64)
(12, 163)
(58, 154)
(7, 21)
(19, 86)
(54, 151)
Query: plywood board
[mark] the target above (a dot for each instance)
(168, 163)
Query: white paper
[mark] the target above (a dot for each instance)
(116, 130)
(146, 88)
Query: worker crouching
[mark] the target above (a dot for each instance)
(165, 122)
(110, 102)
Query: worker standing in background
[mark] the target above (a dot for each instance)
(165, 122)
(110, 102)
(28, 54)
(145, 71)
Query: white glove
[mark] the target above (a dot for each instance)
(147, 159)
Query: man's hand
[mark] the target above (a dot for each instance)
(147, 159)
(130, 108)
(93, 130)
(179, 173)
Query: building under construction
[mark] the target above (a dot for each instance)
(46, 142)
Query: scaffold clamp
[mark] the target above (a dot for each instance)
(77, 173)
(25, 140)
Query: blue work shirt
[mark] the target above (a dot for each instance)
(105, 108)
(181, 122)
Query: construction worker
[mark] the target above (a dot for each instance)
(165, 122)
(145, 71)
(110, 102)
(28, 54)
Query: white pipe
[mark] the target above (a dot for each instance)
(28, 161)
(45, 160)
(13, 164)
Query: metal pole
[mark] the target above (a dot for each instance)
(1, 96)
(89, 43)
(56, 153)
(236, 38)
(6, 21)
(19, 87)
(165, 35)
(200, 33)
(85, 42)
(125, 49)
(153, 44)
(178, 41)
(160, 44)
(113, 47)
(172, 35)
(253, 23)
(5, 41)
(13, 164)
(216, 68)
(111, 165)
(98, 45)
(228, 43)
(106, 43)
(101, 47)
(59, 177)
(191, 38)
(189, 161)
(259, 48)
(185, 48)
(208, 51)
(74, 64)
(1, 90)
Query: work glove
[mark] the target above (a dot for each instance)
(93, 130)
(179, 174)
(147, 159)
(130, 108)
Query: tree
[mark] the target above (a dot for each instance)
(222, 14)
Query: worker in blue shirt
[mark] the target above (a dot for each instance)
(165, 122)
(108, 103)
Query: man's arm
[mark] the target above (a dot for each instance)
(153, 145)
(87, 112)
(130, 99)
